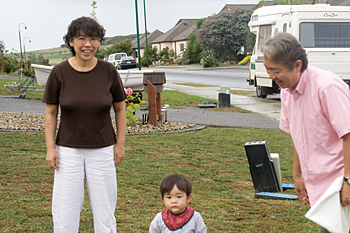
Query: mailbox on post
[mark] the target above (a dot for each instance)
(156, 78)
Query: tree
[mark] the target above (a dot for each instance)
(41, 59)
(102, 53)
(250, 43)
(9, 64)
(291, 2)
(152, 55)
(199, 22)
(93, 13)
(2, 48)
(164, 54)
(225, 33)
(124, 46)
(193, 50)
(33, 59)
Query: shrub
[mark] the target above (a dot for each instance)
(132, 103)
(209, 59)
(171, 53)
(193, 50)
(9, 64)
(240, 57)
(180, 61)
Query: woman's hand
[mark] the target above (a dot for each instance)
(119, 154)
(52, 158)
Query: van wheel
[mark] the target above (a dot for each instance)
(260, 92)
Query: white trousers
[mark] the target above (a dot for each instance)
(76, 165)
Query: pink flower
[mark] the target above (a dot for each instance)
(128, 91)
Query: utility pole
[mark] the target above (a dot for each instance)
(138, 35)
(144, 7)
(20, 40)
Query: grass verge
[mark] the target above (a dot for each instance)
(241, 92)
(214, 159)
(29, 94)
(195, 85)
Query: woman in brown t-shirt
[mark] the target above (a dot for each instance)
(86, 147)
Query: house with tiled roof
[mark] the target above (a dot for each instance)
(150, 38)
(177, 37)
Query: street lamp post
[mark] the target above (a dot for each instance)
(138, 35)
(24, 47)
(20, 43)
(144, 8)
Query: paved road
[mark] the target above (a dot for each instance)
(235, 78)
(270, 107)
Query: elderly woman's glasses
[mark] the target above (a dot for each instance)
(83, 39)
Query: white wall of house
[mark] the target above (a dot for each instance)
(137, 56)
(166, 44)
(180, 47)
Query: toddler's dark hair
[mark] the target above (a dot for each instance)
(181, 181)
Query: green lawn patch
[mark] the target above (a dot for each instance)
(241, 92)
(214, 159)
(29, 94)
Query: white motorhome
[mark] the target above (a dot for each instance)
(323, 30)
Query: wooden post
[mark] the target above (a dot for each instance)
(158, 105)
(152, 106)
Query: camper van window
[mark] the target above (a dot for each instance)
(325, 34)
(285, 27)
(264, 34)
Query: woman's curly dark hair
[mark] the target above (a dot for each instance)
(83, 25)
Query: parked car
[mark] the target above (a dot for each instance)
(126, 63)
(115, 58)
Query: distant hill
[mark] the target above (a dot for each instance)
(116, 39)
(107, 41)
(56, 55)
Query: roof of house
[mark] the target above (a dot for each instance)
(233, 7)
(181, 31)
(333, 2)
(150, 38)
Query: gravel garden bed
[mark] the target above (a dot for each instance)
(10, 121)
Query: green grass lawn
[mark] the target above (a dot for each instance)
(214, 158)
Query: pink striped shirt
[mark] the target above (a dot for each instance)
(317, 115)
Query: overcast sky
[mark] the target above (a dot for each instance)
(47, 20)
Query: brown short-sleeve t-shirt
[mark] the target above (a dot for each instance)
(85, 99)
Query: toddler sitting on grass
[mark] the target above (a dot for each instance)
(176, 191)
